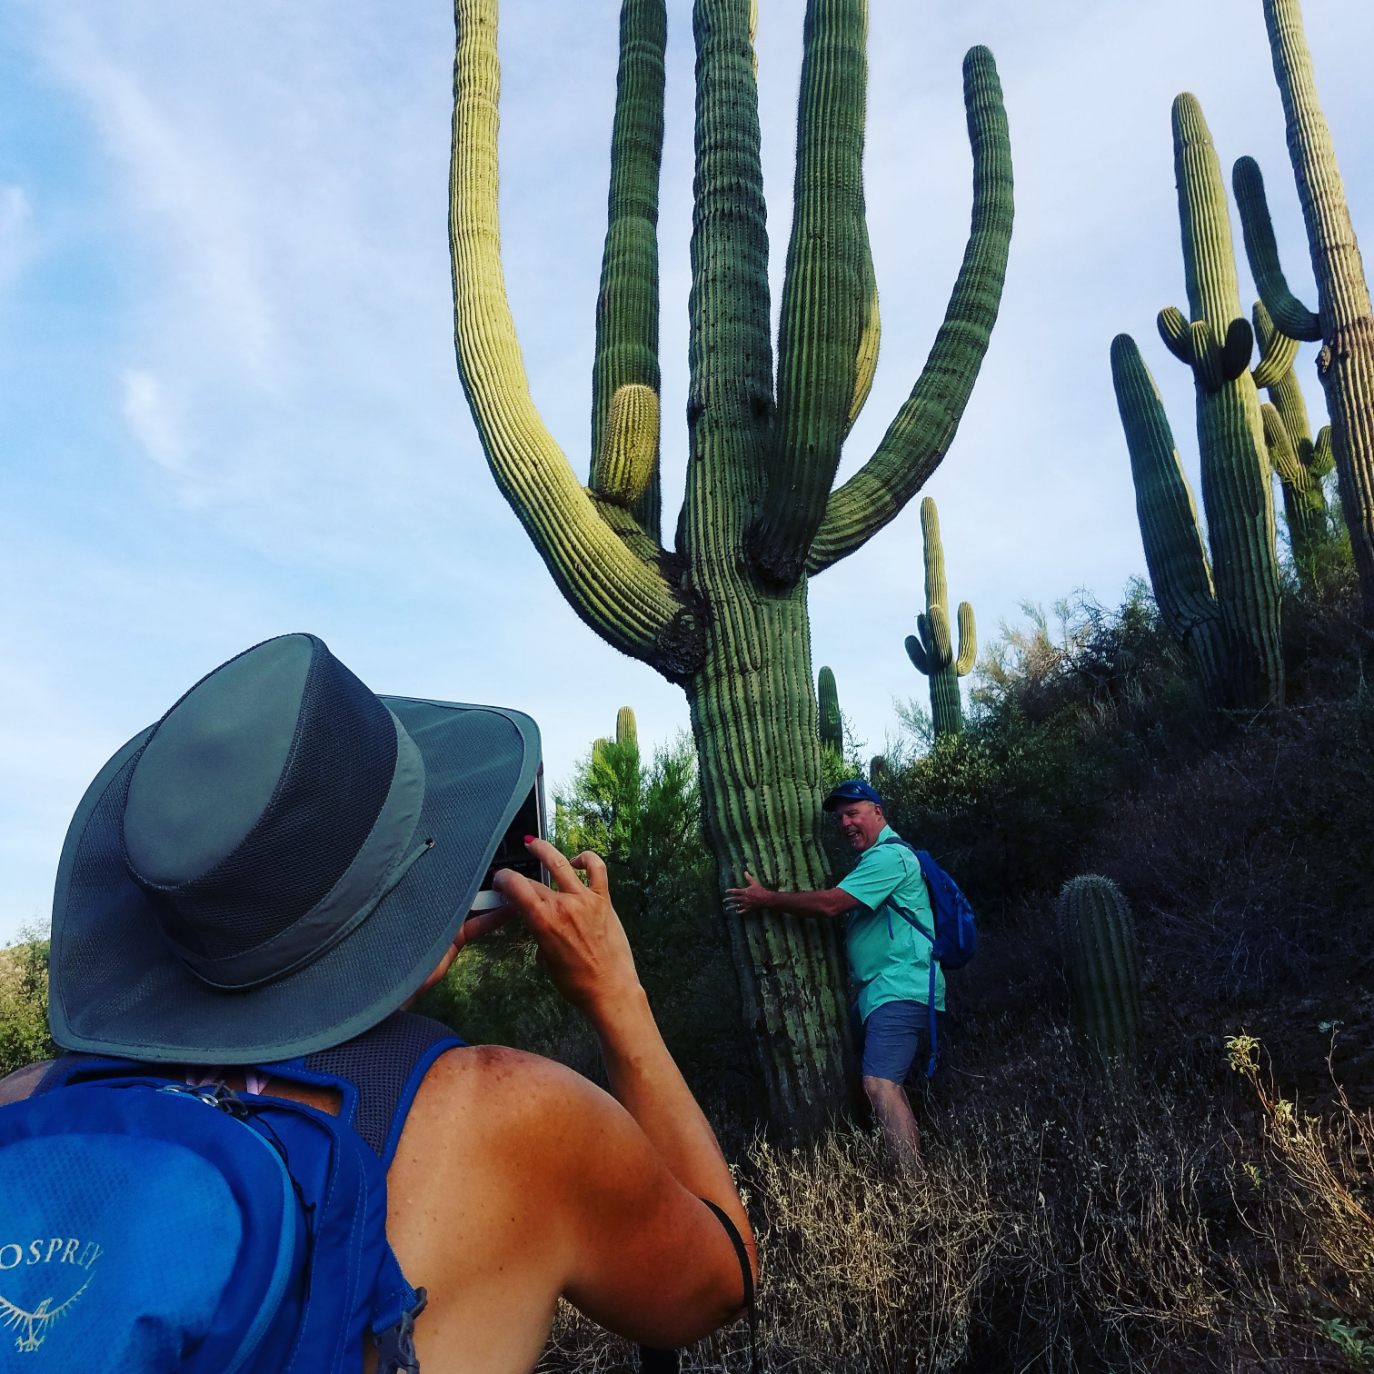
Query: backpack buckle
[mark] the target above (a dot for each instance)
(396, 1345)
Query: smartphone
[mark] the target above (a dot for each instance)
(530, 819)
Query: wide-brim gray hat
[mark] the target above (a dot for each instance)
(278, 863)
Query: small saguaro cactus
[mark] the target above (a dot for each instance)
(1344, 318)
(831, 723)
(1098, 940)
(931, 648)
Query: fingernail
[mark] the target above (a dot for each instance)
(529, 839)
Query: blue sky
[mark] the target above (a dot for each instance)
(229, 401)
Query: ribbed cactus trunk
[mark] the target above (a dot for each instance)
(1344, 320)
(931, 649)
(724, 613)
(1216, 343)
(1100, 959)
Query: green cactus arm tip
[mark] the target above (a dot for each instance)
(1282, 456)
(1289, 314)
(629, 446)
(968, 641)
(1174, 330)
(918, 438)
(626, 727)
(1323, 457)
(915, 651)
(1278, 352)
(937, 592)
(1237, 348)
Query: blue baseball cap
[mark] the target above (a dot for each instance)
(851, 790)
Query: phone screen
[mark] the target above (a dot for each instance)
(530, 819)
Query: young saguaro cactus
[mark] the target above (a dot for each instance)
(1216, 343)
(724, 611)
(1344, 318)
(1098, 939)
(931, 649)
(831, 722)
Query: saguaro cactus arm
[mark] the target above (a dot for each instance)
(1174, 552)
(826, 291)
(1289, 314)
(1278, 352)
(920, 435)
(968, 641)
(626, 351)
(1282, 455)
(629, 602)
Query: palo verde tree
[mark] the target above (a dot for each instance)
(722, 610)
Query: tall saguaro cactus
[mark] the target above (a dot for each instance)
(1216, 344)
(1344, 319)
(724, 611)
(931, 649)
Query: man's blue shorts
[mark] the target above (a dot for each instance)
(893, 1036)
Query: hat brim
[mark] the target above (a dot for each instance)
(116, 987)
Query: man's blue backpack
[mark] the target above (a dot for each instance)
(954, 941)
(151, 1226)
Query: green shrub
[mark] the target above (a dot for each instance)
(24, 1004)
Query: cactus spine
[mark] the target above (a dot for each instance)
(724, 612)
(931, 649)
(831, 722)
(1236, 495)
(1344, 319)
(1098, 939)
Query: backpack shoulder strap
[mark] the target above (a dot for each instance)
(383, 1068)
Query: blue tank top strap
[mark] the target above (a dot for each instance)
(379, 1073)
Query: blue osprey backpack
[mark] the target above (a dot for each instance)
(152, 1226)
(954, 941)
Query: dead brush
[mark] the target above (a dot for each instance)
(1313, 1189)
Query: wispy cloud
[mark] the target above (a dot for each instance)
(17, 237)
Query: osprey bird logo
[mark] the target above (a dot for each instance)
(33, 1326)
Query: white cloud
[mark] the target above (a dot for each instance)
(150, 417)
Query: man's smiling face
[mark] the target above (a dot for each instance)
(860, 822)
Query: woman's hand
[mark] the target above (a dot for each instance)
(581, 941)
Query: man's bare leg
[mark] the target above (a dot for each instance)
(896, 1120)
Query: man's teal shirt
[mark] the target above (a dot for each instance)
(887, 958)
